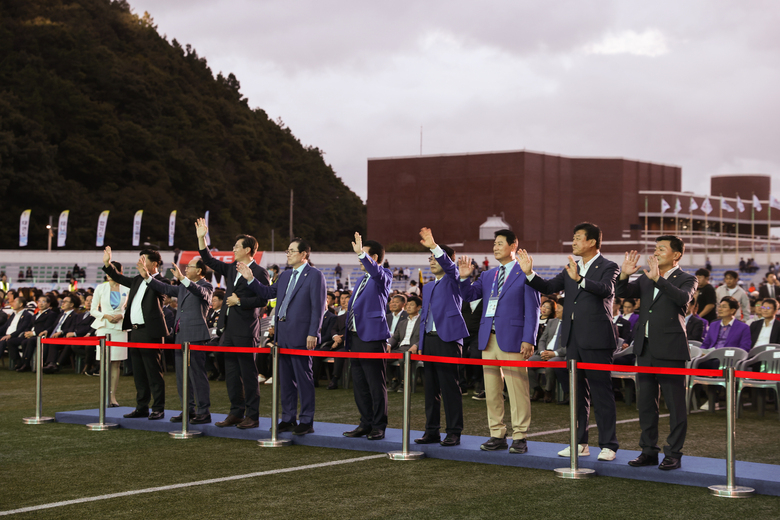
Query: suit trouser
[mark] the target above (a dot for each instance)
(516, 386)
(147, 372)
(295, 376)
(599, 384)
(673, 390)
(370, 383)
(18, 345)
(549, 374)
(241, 377)
(198, 388)
(441, 384)
(338, 363)
(471, 350)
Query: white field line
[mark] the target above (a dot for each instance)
(592, 426)
(187, 484)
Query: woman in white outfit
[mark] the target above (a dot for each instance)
(108, 308)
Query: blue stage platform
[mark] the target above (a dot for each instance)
(695, 471)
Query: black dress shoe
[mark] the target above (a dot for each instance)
(303, 429)
(357, 432)
(519, 446)
(154, 416)
(24, 368)
(670, 463)
(452, 439)
(136, 414)
(285, 426)
(51, 368)
(537, 395)
(644, 460)
(113, 405)
(429, 438)
(204, 418)
(494, 444)
(376, 435)
(333, 385)
(248, 423)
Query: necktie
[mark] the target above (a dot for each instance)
(558, 337)
(287, 296)
(351, 320)
(428, 315)
(501, 278)
(59, 324)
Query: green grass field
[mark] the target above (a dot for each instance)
(56, 462)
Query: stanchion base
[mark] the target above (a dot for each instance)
(184, 435)
(408, 455)
(575, 473)
(278, 443)
(37, 420)
(100, 427)
(732, 491)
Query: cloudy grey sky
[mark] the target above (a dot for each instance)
(690, 83)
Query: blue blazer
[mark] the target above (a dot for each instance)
(305, 310)
(517, 314)
(193, 308)
(739, 336)
(443, 299)
(371, 305)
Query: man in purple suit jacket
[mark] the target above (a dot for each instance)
(727, 331)
(507, 332)
(367, 331)
(442, 329)
(300, 296)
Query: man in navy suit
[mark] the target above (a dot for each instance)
(189, 326)
(239, 324)
(507, 332)
(300, 298)
(442, 329)
(588, 332)
(12, 332)
(44, 320)
(367, 331)
(766, 331)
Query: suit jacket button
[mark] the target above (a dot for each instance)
(651, 311)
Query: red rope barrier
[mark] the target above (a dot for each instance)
(489, 362)
(165, 346)
(72, 341)
(757, 375)
(651, 370)
(241, 350)
(342, 354)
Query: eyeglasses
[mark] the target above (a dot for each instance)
(291, 251)
(767, 308)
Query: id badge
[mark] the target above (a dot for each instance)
(491, 307)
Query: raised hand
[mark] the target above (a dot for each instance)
(201, 228)
(107, 256)
(654, 273)
(175, 271)
(245, 271)
(571, 269)
(141, 265)
(464, 266)
(427, 238)
(525, 261)
(630, 264)
(357, 245)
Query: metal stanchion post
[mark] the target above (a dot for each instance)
(573, 471)
(185, 405)
(274, 441)
(38, 419)
(107, 392)
(405, 454)
(102, 425)
(730, 490)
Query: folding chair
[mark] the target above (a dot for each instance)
(727, 357)
(769, 363)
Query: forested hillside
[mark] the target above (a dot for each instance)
(100, 112)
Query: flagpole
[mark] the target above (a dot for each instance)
(736, 245)
(769, 229)
(645, 241)
(753, 226)
(690, 221)
(721, 229)
(706, 236)
(676, 215)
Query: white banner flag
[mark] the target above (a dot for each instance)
(757, 204)
(774, 202)
(62, 228)
(706, 207)
(693, 206)
(664, 206)
(101, 229)
(677, 206)
(208, 235)
(726, 206)
(137, 227)
(171, 227)
(740, 205)
(24, 227)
